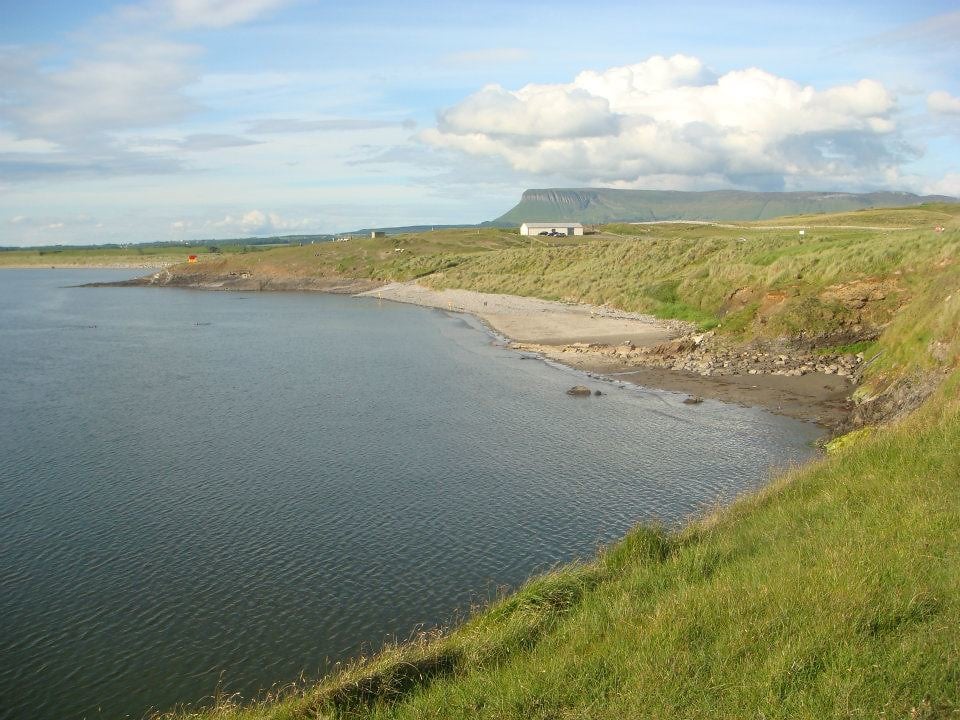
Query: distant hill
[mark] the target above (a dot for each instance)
(600, 205)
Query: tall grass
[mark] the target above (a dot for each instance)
(773, 282)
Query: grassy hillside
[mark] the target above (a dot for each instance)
(397, 257)
(602, 205)
(835, 592)
(836, 280)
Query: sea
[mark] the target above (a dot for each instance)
(210, 494)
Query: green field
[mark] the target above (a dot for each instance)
(835, 592)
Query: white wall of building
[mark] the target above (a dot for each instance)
(561, 227)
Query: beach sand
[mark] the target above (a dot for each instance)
(532, 320)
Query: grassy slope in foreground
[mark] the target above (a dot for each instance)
(835, 592)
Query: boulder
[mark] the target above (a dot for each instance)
(579, 391)
(693, 400)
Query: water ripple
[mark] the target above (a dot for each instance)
(183, 510)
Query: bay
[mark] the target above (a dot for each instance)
(205, 492)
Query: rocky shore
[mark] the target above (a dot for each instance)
(704, 355)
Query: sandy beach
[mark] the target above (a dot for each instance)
(536, 321)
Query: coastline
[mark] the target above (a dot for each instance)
(583, 337)
(610, 344)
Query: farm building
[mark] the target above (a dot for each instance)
(556, 228)
(377, 233)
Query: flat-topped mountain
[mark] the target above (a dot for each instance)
(599, 205)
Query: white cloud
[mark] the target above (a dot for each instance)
(122, 84)
(220, 13)
(11, 144)
(949, 184)
(538, 112)
(250, 222)
(196, 142)
(672, 117)
(943, 103)
(268, 126)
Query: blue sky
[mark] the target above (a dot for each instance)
(179, 119)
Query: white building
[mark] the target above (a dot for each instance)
(561, 227)
(377, 233)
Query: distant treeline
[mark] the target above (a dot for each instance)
(211, 245)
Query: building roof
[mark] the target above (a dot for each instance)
(557, 223)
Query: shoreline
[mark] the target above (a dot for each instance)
(548, 329)
(611, 344)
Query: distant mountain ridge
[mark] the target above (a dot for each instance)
(600, 205)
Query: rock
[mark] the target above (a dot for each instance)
(597, 392)
(693, 400)
(579, 391)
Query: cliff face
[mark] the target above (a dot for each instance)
(600, 205)
(572, 199)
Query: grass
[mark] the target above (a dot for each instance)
(397, 257)
(769, 282)
(832, 593)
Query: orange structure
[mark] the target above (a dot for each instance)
(192, 258)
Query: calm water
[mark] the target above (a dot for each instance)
(225, 489)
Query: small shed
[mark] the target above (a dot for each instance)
(560, 227)
(377, 233)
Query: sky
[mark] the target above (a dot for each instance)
(169, 120)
